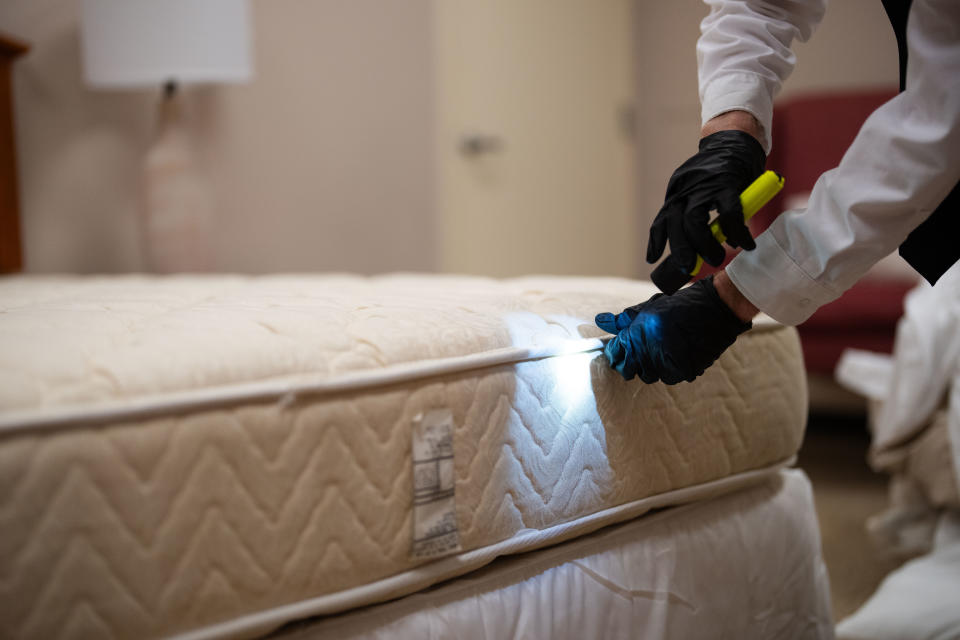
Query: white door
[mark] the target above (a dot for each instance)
(536, 158)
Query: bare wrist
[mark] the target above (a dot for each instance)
(731, 296)
(739, 120)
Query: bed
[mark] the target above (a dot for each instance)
(216, 456)
(651, 577)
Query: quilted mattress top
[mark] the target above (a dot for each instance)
(69, 343)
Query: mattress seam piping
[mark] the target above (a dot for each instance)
(284, 390)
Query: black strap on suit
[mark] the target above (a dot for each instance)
(934, 246)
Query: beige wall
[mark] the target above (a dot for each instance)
(853, 47)
(324, 162)
(327, 160)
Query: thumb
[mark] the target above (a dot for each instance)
(607, 322)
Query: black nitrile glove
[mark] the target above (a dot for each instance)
(727, 163)
(671, 338)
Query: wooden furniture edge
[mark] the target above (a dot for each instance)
(11, 253)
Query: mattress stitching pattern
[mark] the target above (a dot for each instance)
(155, 526)
(465, 562)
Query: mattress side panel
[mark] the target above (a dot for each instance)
(551, 452)
(167, 525)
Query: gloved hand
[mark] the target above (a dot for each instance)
(671, 338)
(727, 163)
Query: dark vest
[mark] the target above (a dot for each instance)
(934, 246)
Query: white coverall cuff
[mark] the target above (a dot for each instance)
(770, 279)
(739, 91)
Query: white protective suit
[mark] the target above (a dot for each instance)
(902, 164)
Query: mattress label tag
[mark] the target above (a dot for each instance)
(435, 530)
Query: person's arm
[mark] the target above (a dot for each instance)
(731, 296)
(902, 164)
(736, 119)
(744, 55)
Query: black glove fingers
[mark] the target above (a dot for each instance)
(606, 321)
(697, 228)
(726, 161)
(623, 320)
(730, 217)
(673, 338)
(680, 248)
(658, 234)
(614, 351)
(620, 356)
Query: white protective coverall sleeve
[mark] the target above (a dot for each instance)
(744, 54)
(902, 164)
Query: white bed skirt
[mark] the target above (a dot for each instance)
(745, 565)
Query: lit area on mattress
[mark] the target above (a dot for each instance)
(572, 376)
(568, 363)
(570, 356)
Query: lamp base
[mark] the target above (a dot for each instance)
(177, 224)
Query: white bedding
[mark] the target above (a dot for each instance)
(918, 601)
(745, 565)
(218, 455)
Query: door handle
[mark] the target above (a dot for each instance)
(479, 144)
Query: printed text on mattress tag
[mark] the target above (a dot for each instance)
(434, 511)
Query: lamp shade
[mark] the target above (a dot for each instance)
(137, 43)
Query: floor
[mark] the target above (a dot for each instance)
(846, 492)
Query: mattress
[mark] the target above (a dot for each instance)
(215, 456)
(654, 577)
